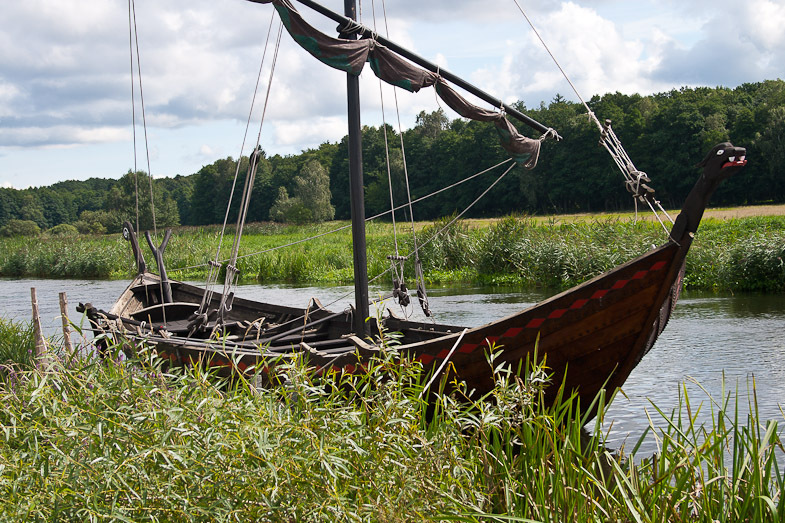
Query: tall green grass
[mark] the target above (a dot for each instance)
(17, 347)
(725, 469)
(737, 255)
(92, 440)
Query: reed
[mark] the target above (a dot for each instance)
(744, 254)
(17, 347)
(92, 440)
(726, 468)
(93, 256)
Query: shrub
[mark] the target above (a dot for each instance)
(89, 227)
(502, 245)
(64, 229)
(110, 220)
(20, 228)
(444, 247)
(758, 264)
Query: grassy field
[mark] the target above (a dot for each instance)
(737, 251)
(719, 213)
(87, 440)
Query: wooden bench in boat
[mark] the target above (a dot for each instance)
(155, 313)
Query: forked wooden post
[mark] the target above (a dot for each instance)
(66, 324)
(40, 342)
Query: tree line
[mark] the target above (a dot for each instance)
(666, 134)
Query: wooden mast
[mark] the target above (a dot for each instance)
(357, 192)
(350, 30)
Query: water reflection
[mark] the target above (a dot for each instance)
(710, 338)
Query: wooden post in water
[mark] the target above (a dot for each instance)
(40, 342)
(66, 324)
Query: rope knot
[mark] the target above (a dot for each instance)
(636, 185)
(349, 28)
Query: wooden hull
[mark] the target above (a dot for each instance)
(591, 336)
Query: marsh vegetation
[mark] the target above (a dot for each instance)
(91, 439)
(740, 254)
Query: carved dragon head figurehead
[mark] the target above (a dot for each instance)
(723, 161)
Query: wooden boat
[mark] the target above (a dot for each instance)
(592, 335)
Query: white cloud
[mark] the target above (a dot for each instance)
(64, 71)
(590, 49)
(76, 67)
(310, 130)
(206, 151)
(441, 61)
(763, 23)
(440, 11)
(738, 43)
(60, 135)
(8, 98)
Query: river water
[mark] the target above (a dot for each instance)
(711, 338)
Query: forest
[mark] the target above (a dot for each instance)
(666, 134)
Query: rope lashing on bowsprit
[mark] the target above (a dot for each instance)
(635, 181)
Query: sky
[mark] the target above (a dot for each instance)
(65, 71)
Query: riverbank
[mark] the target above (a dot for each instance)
(88, 441)
(735, 254)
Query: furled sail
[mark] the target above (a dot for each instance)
(351, 55)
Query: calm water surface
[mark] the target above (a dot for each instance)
(709, 338)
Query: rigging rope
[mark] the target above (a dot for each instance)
(134, 42)
(144, 118)
(635, 180)
(231, 269)
(344, 227)
(133, 114)
(397, 262)
(383, 273)
(215, 264)
(440, 231)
